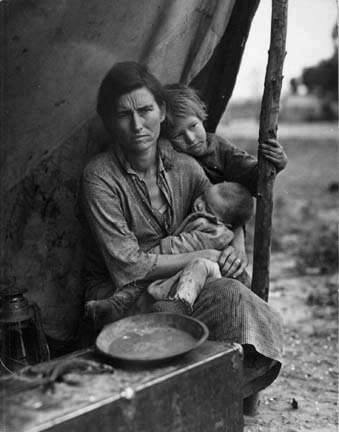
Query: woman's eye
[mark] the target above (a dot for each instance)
(146, 109)
(121, 115)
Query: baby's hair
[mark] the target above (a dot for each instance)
(181, 101)
(238, 200)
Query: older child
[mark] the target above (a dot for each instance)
(185, 114)
(228, 203)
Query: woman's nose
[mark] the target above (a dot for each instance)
(136, 122)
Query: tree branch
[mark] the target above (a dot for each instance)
(268, 129)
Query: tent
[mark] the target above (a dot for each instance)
(53, 57)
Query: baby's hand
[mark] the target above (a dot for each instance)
(273, 151)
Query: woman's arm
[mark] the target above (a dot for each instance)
(167, 265)
(206, 236)
(124, 259)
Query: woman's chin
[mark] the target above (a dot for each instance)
(143, 146)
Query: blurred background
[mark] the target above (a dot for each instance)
(306, 193)
(305, 216)
(310, 85)
(304, 258)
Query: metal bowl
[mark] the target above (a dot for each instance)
(151, 337)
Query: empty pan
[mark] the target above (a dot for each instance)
(151, 337)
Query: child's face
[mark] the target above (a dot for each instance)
(211, 202)
(189, 136)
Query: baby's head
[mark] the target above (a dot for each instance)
(231, 202)
(185, 114)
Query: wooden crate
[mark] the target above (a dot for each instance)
(200, 392)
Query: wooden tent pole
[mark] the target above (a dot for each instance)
(268, 129)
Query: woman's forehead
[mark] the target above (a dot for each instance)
(136, 99)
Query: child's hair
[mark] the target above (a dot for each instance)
(237, 206)
(181, 101)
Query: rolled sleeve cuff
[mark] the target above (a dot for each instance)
(166, 246)
(137, 272)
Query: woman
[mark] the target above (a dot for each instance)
(134, 196)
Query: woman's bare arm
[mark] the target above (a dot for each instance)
(167, 265)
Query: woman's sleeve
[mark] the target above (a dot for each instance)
(125, 260)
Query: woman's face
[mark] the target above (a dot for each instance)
(136, 121)
(189, 136)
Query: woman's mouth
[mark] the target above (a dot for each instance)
(140, 137)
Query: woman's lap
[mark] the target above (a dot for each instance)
(233, 313)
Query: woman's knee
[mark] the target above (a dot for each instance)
(225, 288)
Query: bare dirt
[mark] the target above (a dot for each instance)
(304, 397)
(304, 279)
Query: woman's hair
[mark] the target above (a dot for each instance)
(123, 78)
(238, 208)
(182, 101)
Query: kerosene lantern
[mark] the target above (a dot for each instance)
(23, 341)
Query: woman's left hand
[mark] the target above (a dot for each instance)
(232, 262)
(273, 151)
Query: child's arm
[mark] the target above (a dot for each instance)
(200, 221)
(208, 235)
(273, 151)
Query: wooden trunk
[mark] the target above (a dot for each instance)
(198, 392)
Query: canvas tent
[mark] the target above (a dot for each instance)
(53, 57)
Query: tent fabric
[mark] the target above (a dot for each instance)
(55, 55)
(58, 53)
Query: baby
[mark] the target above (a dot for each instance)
(228, 203)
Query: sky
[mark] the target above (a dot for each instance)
(310, 23)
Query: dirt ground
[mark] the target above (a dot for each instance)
(304, 280)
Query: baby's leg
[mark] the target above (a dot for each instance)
(193, 278)
(160, 289)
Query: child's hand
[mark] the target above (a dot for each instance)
(273, 151)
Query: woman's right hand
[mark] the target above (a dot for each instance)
(232, 262)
